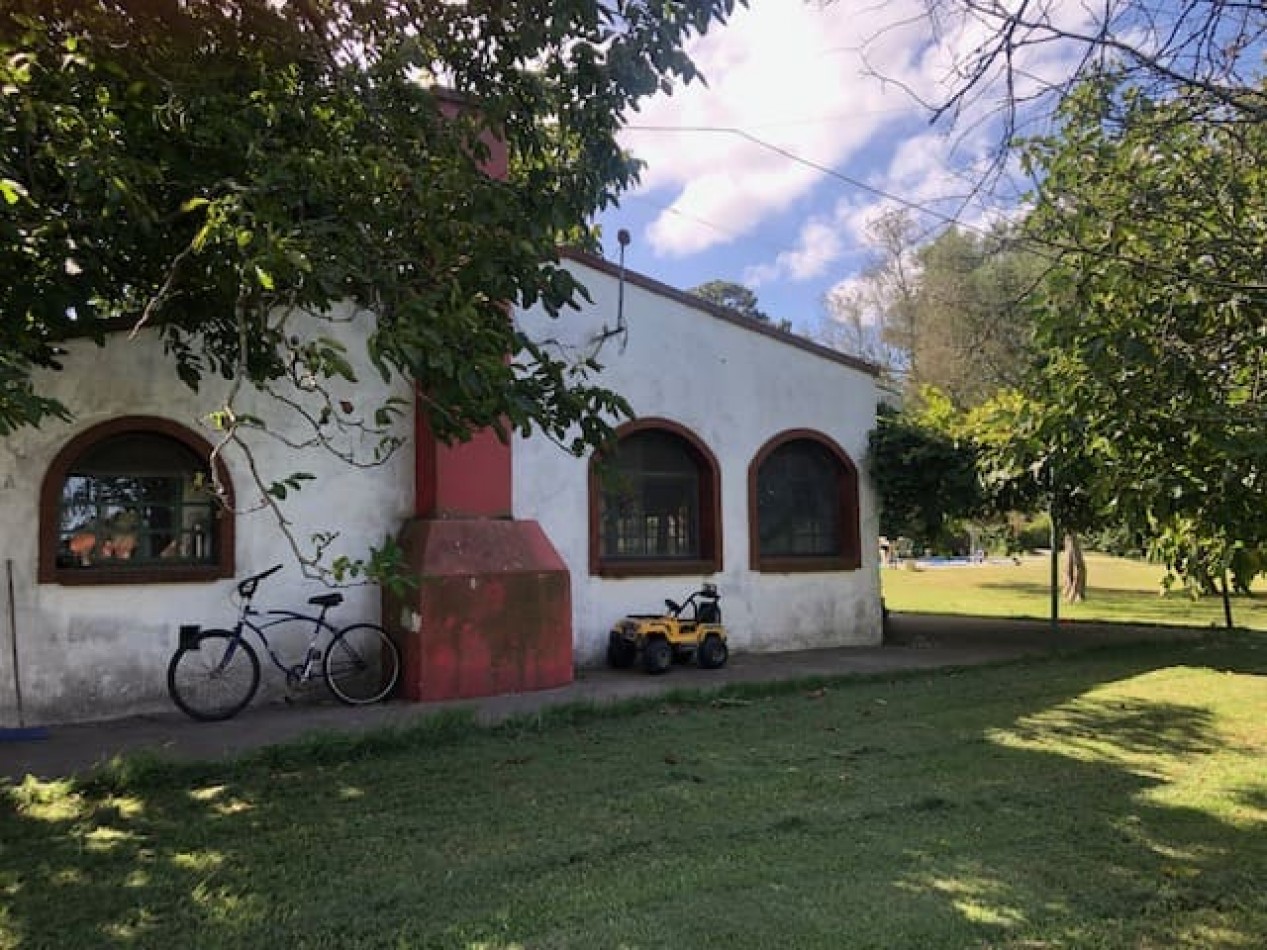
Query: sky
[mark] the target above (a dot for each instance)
(809, 126)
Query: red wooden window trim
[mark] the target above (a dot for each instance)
(850, 557)
(710, 534)
(50, 502)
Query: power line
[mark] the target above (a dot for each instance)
(821, 169)
(824, 119)
(692, 217)
(711, 225)
(1047, 249)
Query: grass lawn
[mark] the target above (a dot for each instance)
(1115, 798)
(1118, 590)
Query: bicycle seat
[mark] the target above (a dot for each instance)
(327, 600)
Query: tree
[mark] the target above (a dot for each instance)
(1029, 459)
(1152, 330)
(851, 325)
(925, 477)
(951, 314)
(873, 317)
(1010, 65)
(971, 306)
(208, 169)
(1208, 47)
(732, 296)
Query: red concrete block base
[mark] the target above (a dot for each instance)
(492, 612)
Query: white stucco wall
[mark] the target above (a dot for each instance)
(92, 652)
(734, 389)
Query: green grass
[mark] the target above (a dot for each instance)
(1118, 590)
(1115, 798)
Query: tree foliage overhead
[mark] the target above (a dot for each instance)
(205, 168)
(1161, 48)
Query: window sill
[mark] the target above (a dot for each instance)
(656, 568)
(102, 576)
(805, 565)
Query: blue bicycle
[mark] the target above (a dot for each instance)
(214, 674)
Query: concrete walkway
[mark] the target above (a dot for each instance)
(912, 642)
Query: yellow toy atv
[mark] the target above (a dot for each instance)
(692, 629)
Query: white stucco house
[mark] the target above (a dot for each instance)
(742, 467)
(775, 428)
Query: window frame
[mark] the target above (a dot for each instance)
(50, 508)
(847, 489)
(709, 512)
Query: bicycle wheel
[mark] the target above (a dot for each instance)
(361, 664)
(214, 677)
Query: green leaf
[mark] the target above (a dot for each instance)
(12, 191)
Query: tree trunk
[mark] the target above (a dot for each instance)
(1074, 575)
(1227, 602)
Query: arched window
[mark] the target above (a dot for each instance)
(132, 501)
(803, 505)
(654, 504)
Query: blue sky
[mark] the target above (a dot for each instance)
(803, 79)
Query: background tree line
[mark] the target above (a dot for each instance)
(1103, 359)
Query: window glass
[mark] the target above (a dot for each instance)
(136, 499)
(651, 499)
(798, 502)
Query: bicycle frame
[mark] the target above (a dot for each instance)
(311, 665)
(298, 672)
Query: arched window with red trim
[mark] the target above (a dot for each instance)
(655, 504)
(803, 505)
(133, 500)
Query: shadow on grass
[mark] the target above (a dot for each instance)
(1127, 606)
(1034, 804)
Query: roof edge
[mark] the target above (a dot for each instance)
(725, 314)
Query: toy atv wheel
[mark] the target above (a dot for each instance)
(621, 653)
(657, 656)
(712, 653)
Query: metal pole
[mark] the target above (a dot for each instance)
(1055, 578)
(23, 732)
(1055, 557)
(13, 641)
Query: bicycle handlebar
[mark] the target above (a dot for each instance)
(246, 587)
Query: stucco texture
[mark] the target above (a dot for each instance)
(735, 389)
(97, 651)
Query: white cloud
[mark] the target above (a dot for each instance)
(786, 72)
(818, 246)
(759, 274)
(807, 78)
